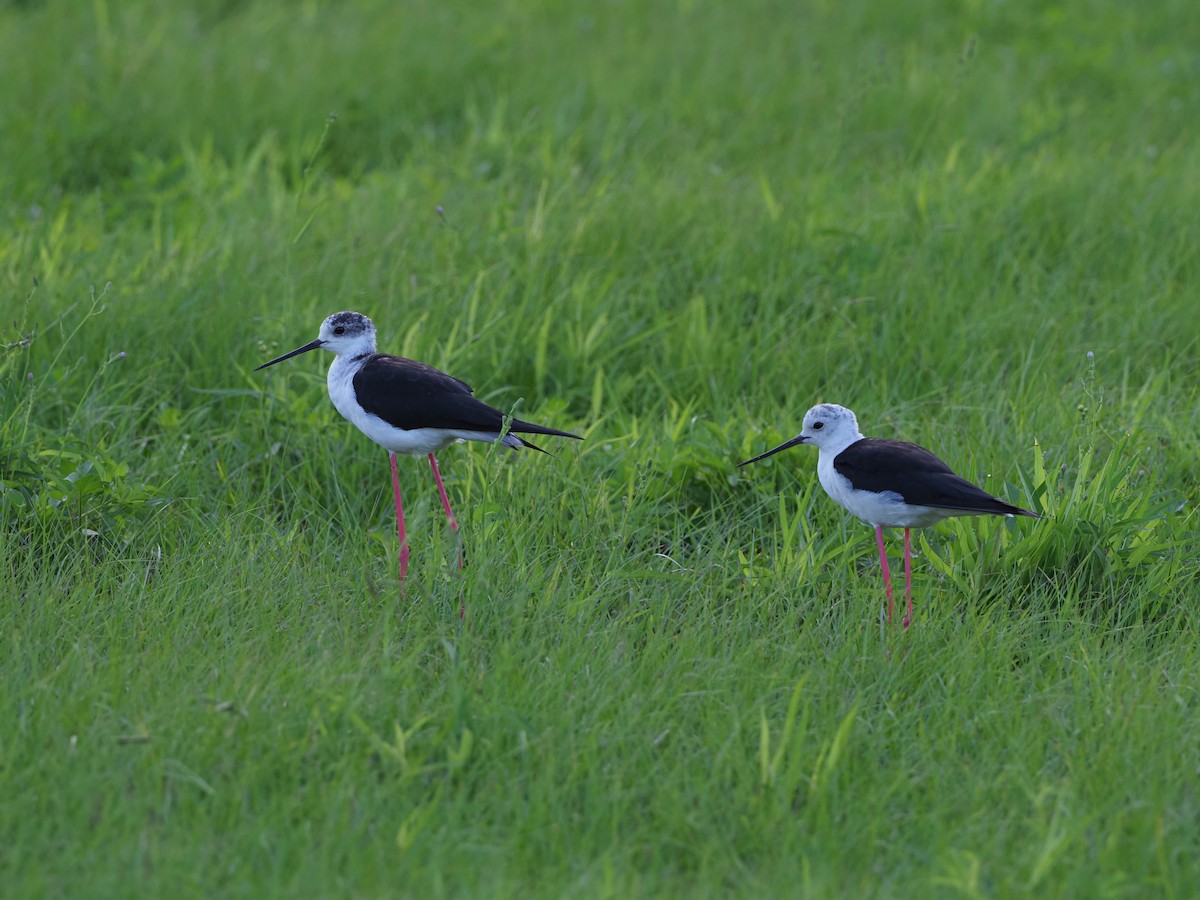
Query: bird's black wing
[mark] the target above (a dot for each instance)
(877, 465)
(409, 394)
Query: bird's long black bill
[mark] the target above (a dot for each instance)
(798, 439)
(311, 345)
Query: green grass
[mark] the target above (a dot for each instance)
(671, 228)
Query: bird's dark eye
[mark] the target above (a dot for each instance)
(817, 426)
(339, 330)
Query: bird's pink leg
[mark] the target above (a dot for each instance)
(908, 615)
(399, 518)
(887, 575)
(445, 503)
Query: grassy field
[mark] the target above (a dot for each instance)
(669, 227)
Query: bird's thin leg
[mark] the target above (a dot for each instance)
(887, 575)
(908, 615)
(446, 504)
(399, 518)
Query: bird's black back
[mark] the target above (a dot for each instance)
(878, 465)
(410, 394)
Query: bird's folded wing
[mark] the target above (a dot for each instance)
(879, 465)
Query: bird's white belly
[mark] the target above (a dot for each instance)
(397, 440)
(418, 441)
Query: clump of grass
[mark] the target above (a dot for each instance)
(64, 482)
(1110, 539)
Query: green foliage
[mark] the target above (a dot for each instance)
(53, 484)
(91, 492)
(1113, 525)
(670, 228)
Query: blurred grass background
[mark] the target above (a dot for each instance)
(671, 227)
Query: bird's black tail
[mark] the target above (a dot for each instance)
(518, 427)
(986, 505)
(1018, 511)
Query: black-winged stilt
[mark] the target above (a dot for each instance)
(888, 484)
(405, 406)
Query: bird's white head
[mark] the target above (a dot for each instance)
(348, 334)
(830, 427)
(827, 426)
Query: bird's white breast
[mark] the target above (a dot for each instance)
(340, 382)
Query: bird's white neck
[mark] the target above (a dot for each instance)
(345, 365)
(361, 345)
(830, 449)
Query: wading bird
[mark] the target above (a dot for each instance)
(888, 484)
(406, 406)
